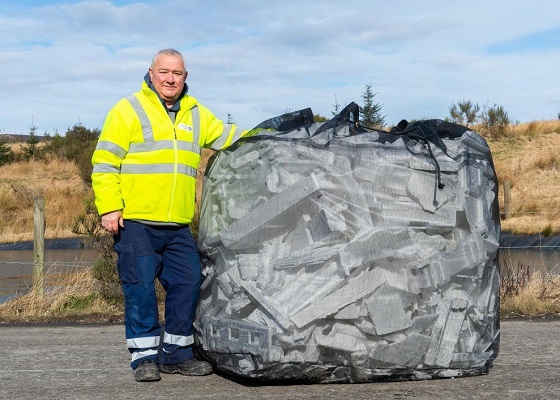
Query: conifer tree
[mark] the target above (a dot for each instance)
(30, 147)
(5, 152)
(370, 112)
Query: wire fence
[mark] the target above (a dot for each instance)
(47, 264)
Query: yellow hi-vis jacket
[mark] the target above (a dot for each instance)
(146, 165)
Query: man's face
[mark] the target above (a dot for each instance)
(168, 76)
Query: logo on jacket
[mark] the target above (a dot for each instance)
(185, 127)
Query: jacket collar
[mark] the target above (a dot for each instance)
(177, 106)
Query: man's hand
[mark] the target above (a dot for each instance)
(111, 221)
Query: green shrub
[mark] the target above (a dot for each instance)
(548, 231)
(76, 303)
(108, 285)
(495, 121)
(104, 270)
(464, 112)
(76, 145)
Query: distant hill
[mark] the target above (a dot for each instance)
(12, 138)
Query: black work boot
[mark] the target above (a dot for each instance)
(147, 371)
(188, 367)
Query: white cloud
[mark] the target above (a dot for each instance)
(69, 61)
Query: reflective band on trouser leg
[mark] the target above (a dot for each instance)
(178, 340)
(143, 347)
(142, 342)
(176, 348)
(137, 355)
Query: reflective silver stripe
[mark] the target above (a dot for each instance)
(147, 130)
(105, 168)
(111, 148)
(157, 169)
(186, 170)
(195, 148)
(151, 146)
(237, 135)
(221, 141)
(143, 342)
(163, 145)
(179, 340)
(140, 354)
(147, 168)
(195, 115)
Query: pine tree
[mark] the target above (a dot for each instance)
(371, 112)
(5, 152)
(30, 147)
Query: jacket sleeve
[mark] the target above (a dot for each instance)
(112, 147)
(217, 134)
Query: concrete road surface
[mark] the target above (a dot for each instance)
(91, 362)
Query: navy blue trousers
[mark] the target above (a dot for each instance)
(146, 252)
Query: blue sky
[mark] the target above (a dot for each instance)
(68, 62)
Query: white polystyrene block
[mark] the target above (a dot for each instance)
(344, 338)
(248, 265)
(386, 311)
(254, 225)
(408, 353)
(355, 289)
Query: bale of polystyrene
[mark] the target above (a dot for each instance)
(333, 253)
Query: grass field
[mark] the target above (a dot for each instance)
(526, 155)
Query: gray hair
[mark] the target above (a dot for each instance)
(169, 52)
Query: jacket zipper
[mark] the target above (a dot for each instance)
(175, 167)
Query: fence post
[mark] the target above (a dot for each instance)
(38, 243)
(507, 199)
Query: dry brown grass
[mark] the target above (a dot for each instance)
(72, 295)
(527, 157)
(535, 294)
(57, 180)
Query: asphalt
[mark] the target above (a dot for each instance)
(91, 362)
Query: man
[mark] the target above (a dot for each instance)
(144, 177)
